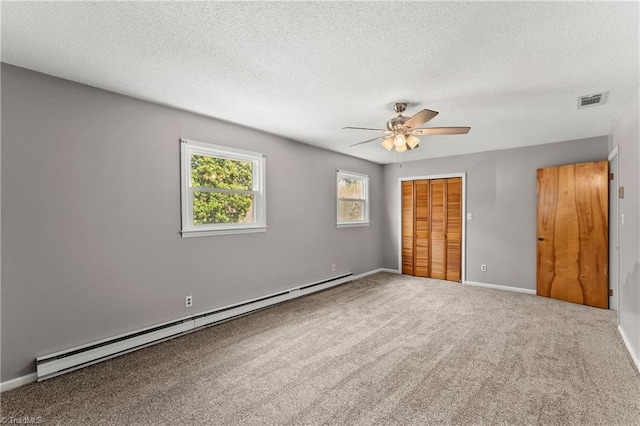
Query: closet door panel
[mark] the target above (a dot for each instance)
(407, 228)
(454, 229)
(421, 234)
(438, 229)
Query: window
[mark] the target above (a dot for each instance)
(222, 190)
(353, 199)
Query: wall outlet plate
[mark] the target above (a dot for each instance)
(188, 301)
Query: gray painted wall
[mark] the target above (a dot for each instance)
(626, 135)
(501, 195)
(91, 214)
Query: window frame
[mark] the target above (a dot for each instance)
(344, 174)
(188, 229)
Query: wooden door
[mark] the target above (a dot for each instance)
(438, 229)
(422, 232)
(432, 228)
(572, 220)
(407, 227)
(454, 229)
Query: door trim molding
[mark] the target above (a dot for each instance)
(463, 175)
(613, 155)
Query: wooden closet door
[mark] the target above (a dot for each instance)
(573, 244)
(438, 229)
(453, 233)
(407, 227)
(432, 228)
(421, 227)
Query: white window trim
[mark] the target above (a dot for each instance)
(352, 223)
(188, 147)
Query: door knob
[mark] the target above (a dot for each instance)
(540, 238)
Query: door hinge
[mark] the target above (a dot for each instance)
(610, 292)
(610, 176)
(621, 192)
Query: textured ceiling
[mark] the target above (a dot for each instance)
(511, 71)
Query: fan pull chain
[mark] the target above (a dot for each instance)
(395, 159)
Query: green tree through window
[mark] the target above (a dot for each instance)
(224, 174)
(222, 190)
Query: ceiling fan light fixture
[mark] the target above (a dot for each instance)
(403, 133)
(412, 141)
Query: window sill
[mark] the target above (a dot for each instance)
(352, 225)
(212, 232)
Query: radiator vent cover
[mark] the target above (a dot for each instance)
(54, 364)
(595, 99)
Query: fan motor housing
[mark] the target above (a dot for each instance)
(396, 123)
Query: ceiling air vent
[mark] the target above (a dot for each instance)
(592, 100)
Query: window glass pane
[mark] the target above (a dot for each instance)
(350, 210)
(216, 207)
(351, 188)
(222, 173)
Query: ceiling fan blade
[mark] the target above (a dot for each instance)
(441, 131)
(370, 140)
(365, 128)
(420, 118)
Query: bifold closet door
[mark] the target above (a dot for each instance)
(421, 229)
(438, 229)
(432, 228)
(407, 227)
(454, 229)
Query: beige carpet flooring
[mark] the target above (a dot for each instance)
(385, 349)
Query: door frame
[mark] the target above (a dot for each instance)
(615, 286)
(463, 259)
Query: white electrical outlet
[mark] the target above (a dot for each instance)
(188, 301)
(469, 216)
(483, 267)
(333, 267)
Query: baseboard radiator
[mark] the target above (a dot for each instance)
(81, 356)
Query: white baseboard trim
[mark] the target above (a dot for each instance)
(17, 382)
(375, 271)
(500, 287)
(364, 274)
(229, 312)
(634, 357)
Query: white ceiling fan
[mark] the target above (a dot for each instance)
(402, 132)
